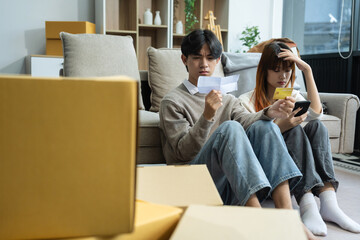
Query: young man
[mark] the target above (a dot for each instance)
(246, 165)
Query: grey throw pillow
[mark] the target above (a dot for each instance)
(97, 55)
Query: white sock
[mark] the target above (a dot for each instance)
(330, 211)
(310, 215)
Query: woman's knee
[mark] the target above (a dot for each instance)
(295, 131)
(316, 125)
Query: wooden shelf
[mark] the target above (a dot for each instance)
(126, 17)
(152, 26)
(120, 32)
(175, 35)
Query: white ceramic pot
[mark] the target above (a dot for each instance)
(148, 17)
(179, 27)
(157, 20)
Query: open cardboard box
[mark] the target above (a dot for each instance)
(165, 188)
(178, 186)
(234, 222)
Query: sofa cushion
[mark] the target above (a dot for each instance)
(332, 123)
(164, 76)
(97, 55)
(150, 150)
(245, 65)
(149, 134)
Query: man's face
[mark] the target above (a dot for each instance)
(202, 64)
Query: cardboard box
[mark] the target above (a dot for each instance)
(231, 222)
(152, 221)
(177, 185)
(54, 47)
(68, 156)
(53, 29)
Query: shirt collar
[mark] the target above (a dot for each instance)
(191, 87)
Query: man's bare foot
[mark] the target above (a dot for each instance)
(309, 234)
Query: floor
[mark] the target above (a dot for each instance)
(348, 198)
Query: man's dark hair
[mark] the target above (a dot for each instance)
(194, 41)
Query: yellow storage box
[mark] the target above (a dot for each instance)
(68, 156)
(53, 28)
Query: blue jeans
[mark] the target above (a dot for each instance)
(246, 163)
(311, 151)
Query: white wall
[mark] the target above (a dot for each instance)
(267, 14)
(22, 27)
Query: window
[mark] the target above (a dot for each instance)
(314, 25)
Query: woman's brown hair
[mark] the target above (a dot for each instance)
(270, 60)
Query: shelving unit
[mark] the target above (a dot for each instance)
(125, 17)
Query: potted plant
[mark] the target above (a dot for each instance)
(190, 16)
(250, 37)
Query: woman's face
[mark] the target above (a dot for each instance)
(278, 77)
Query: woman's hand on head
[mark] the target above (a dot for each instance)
(281, 108)
(288, 55)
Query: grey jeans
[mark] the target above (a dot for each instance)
(310, 149)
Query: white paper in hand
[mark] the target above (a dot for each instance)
(224, 84)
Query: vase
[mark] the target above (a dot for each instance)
(157, 20)
(179, 27)
(148, 16)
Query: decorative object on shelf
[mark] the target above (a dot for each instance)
(190, 17)
(157, 20)
(148, 17)
(179, 27)
(250, 37)
(212, 27)
(175, 9)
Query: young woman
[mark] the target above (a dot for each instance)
(309, 146)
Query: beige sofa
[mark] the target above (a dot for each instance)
(103, 55)
(340, 120)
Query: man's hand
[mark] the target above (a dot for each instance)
(291, 121)
(212, 103)
(281, 108)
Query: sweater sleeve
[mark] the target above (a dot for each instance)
(245, 117)
(182, 139)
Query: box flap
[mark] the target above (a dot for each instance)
(234, 222)
(177, 185)
(68, 151)
(152, 221)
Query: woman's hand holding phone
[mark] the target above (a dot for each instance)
(303, 105)
(291, 121)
